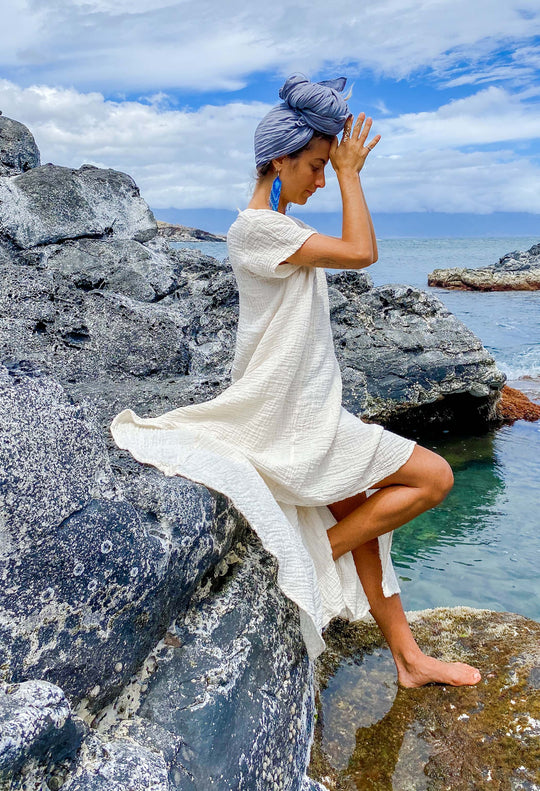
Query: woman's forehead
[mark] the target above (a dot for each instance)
(318, 149)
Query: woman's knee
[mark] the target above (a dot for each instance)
(441, 479)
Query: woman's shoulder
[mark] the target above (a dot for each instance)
(264, 218)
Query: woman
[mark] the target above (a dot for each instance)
(278, 441)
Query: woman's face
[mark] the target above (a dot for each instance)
(302, 175)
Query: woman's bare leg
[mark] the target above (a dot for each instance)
(422, 482)
(414, 668)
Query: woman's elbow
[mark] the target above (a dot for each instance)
(364, 260)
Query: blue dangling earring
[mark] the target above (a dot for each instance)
(275, 193)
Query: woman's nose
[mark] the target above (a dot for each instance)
(320, 182)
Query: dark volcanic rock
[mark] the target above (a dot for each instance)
(18, 149)
(407, 362)
(89, 580)
(226, 698)
(372, 734)
(517, 271)
(94, 564)
(78, 335)
(51, 203)
(36, 728)
(124, 266)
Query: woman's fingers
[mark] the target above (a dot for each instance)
(358, 125)
(347, 128)
(371, 145)
(362, 137)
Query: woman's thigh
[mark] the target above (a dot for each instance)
(423, 469)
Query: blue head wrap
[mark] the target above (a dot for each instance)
(306, 106)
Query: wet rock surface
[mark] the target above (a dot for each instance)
(516, 271)
(370, 734)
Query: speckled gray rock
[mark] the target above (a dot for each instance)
(51, 203)
(124, 266)
(103, 345)
(37, 730)
(516, 271)
(18, 149)
(78, 335)
(118, 765)
(407, 362)
(89, 580)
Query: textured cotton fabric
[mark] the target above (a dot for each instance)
(306, 106)
(278, 441)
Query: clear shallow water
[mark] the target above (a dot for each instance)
(481, 546)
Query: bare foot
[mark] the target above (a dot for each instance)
(427, 670)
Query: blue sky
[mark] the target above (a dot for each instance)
(171, 93)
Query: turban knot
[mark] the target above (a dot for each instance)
(306, 106)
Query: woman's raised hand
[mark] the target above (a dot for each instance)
(350, 154)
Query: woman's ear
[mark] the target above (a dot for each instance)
(278, 163)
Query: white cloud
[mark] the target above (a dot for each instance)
(432, 161)
(205, 44)
(492, 115)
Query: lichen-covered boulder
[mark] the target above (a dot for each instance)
(51, 203)
(225, 699)
(18, 149)
(407, 362)
(88, 580)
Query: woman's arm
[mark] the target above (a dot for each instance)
(357, 247)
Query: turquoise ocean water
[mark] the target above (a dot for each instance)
(481, 546)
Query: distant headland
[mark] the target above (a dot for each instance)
(181, 233)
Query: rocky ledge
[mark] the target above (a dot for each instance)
(517, 271)
(181, 233)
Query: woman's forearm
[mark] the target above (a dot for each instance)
(372, 229)
(357, 226)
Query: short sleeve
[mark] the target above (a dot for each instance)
(270, 239)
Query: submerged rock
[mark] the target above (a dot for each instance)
(372, 734)
(517, 271)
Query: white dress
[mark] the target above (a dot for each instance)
(278, 441)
